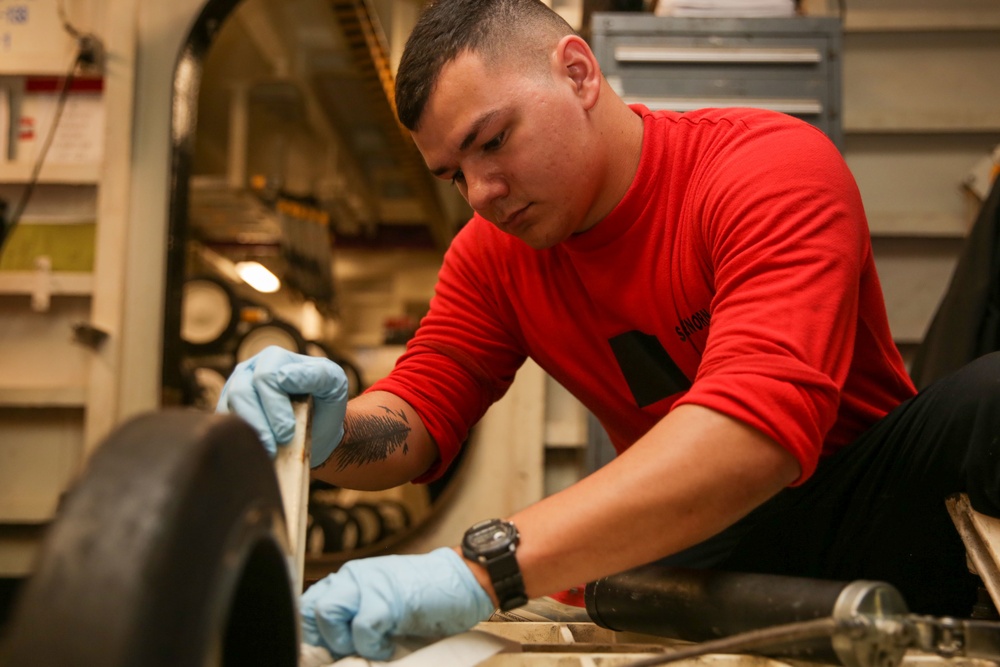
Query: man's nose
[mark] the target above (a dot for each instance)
(483, 189)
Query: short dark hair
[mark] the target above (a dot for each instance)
(448, 28)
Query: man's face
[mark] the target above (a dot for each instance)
(514, 143)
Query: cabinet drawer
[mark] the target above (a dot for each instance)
(769, 55)
(791, 65)
(680, 91)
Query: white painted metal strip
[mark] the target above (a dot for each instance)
(671, 54)
(790, 106)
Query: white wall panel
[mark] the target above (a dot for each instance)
(38, 457)
(911, 184)
(919, 81)
(915, 274)
(37, 352)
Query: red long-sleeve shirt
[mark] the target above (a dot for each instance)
(740, 257)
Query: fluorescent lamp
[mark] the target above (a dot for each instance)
(258, 277)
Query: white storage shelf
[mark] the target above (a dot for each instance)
(21, 396)
(57, 283)
(72, 174)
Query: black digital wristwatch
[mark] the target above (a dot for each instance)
(493, 544)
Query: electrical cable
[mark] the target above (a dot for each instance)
(67, 26)
(748, 642)
(36, 170)
(89, 53)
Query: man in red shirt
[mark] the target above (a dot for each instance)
(703, 283)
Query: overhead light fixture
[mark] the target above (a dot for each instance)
(258, 277)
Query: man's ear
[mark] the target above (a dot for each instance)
(576, 63)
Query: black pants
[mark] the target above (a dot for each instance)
(876, 510)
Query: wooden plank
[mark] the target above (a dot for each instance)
(291, 466)
(981, 535)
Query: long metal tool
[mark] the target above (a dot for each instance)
(703, 605)
(856, 624)
(872, 640)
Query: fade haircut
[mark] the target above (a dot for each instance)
(492, 29)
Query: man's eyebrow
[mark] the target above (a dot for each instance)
(470, 138)
(477, 127)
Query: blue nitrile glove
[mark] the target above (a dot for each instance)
(366, 604)
(259, 388)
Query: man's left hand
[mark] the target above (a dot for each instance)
(366, 604)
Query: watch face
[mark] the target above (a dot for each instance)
(488, 539)
(493, 535)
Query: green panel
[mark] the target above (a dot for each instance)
(69, 246)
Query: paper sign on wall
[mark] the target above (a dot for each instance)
(79, 137)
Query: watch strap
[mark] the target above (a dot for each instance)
(505, 575)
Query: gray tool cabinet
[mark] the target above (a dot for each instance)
(790, 64)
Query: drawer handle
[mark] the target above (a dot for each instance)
(789, 106)
(666, 54)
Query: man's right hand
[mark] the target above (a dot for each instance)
(259, 390)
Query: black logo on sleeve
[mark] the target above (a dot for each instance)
(649, 371)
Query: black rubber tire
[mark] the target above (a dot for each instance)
(170, 550)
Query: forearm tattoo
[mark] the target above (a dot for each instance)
(369, 438)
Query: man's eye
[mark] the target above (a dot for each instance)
(457, 177)
(495, 142)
